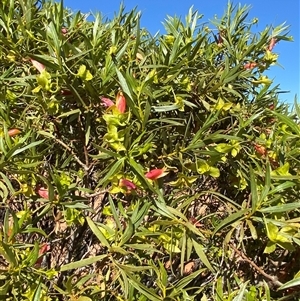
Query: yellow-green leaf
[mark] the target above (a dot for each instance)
(84, 74)
(214, 172)
(282, 170)
(202, 167)
(272, 231)
(270, 248)
(223, 148)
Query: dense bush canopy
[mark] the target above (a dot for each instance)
(139, 167)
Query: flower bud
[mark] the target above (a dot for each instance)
(107, 102)
(272, 44)
(156, 173)
(13, 132)
(121, 102)
(128, 184)
(42, 192)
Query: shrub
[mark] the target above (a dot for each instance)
(139, 167)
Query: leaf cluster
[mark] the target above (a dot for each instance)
(142, 167)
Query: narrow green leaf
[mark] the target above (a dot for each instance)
(291, 283)
(114, 212)
(254, 195)
(127, 233)
(37, 296)
(241, 294)
(199, 250)
(7, 182)
(82, 263)
(97, 232)
(280, 208)
(69, 113)
(113, 170)
(8, 254)
(288, 121)
(185, 281)
(18, 150)
(147, 292)
(267, 186)
(138, 169)
(33, 255)
(232, 218)
(283, 186)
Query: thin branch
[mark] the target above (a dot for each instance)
(86, 168)
(82, 133)
(96, 193)
(274, 281)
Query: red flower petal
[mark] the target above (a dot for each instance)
(39, 66)
(13, 132)
(272, 44)
(43, 249)
(250, 65)
(260, 149)
(155, 174)
(107, 102)
(43, 192)
(121, 102)
(127, 183)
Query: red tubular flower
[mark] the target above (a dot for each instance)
(43, 249)
(39, 66)
(260, 149)
(272, 44)
(42, 192)
(128, 184)
(107, 102)
(250, 65)
(155, 173)
(13, 132)
(121, 102)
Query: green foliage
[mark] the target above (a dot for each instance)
(139, 167)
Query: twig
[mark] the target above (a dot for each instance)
(86, 168)
(256, 267)
(85, 151)
(96, 193)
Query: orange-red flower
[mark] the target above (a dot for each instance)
(39, 66)
(260, 149)
(13, 132)
(121, 102)
(250, 65)
(156, 173)
(128, 184)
